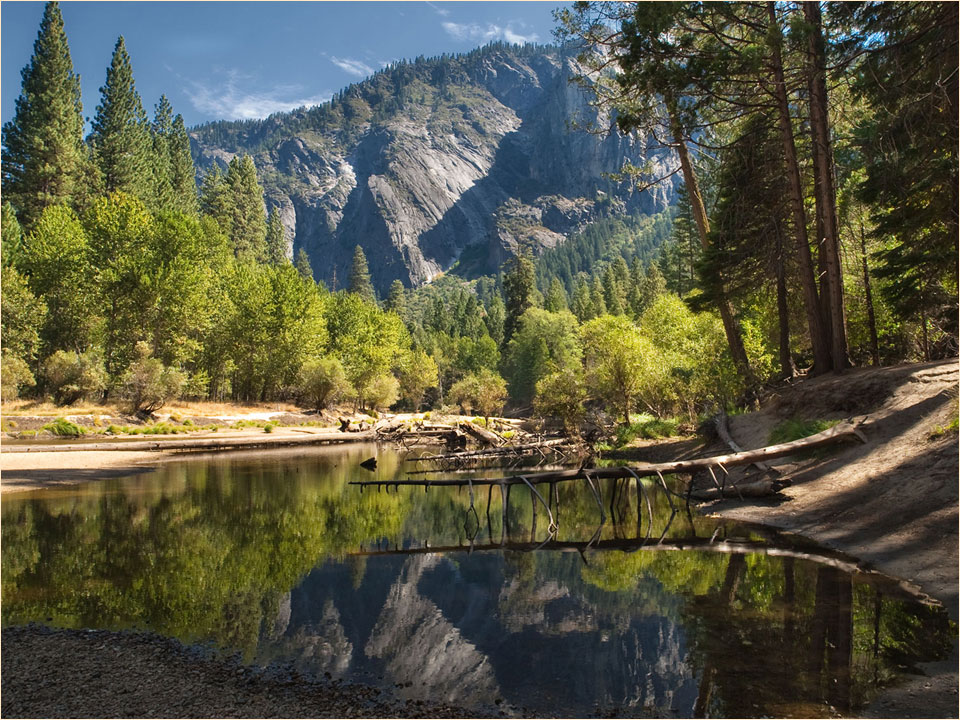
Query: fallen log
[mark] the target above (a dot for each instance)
(843, 431)
(485, 437)
(491, 452)
(225, 443)
(760, 488)
(724, 432)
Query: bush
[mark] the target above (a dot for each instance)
(71, 377)
(561, 395)
(15, 376)
(323, 382)
(64, 428)
(148, 384)
(484, 391)
(648, 428)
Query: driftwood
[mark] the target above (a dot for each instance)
(485, 437)
(724, 432)
(843, 431)
(492, 452)
(760, 488)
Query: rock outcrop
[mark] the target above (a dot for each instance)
(427, 159)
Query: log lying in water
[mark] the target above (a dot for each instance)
(224, 443)
(843, 431)
(493, 452)
(484, 437)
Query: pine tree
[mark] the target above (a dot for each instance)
(182, 172)
(43, 152)
(360, 276)
(518, 287)
(556, 297)
(245, 210)
(162, 169)
(396, 299)
(276, 240)
(123, 150)
(11, 237)
(303, 265)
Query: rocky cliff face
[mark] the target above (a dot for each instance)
(425, 160)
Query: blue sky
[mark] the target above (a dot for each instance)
(235, 60)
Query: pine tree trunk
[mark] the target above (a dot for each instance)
(730, 325)
(787, 369)
(871, 315)
(811, 301)
(825, 191)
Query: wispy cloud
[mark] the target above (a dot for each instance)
(439, 10)
(230, 100)
(487, 33)
(354, 67)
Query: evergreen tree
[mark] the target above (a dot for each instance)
(182, 172)
(245, 210)
(518, 285)
(276, 240)
(598, 304)
(556, 297)
(582, 306)
(43, 154)
(360, 276)
(161, 131)
(653, 287)
(396, 300)
(122, 146)
(303, 265)
(11, 237)
(496, 318)
(612, 294)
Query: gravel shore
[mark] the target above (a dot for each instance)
(96, 673)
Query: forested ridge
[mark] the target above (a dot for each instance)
(817, 229)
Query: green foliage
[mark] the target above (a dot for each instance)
(148, 385)
(796, 428)
(383, 392)
(11, 237)
(276, 240)
(618, 362)
(72, 377)
(518, 288)
(22, 318)
(57, 260)
(64, 428)
(43, 156)
(484, 391)
(120, 137)
(15, 375)
(544, 343)
(647, 427)
(360, 276)
(561, 395)
(418, 374)
(323, 382)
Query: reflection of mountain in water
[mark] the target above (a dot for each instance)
(468, 630)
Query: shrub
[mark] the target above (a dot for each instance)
(64, 428)
(484, 391)
(71, 377)
(268, 428)
(323, 381)
(148, 384)
(561, 395)
(15, 376)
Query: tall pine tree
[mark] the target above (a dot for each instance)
(43, 152)
(121, 141)
(276, 240)
(360, 276)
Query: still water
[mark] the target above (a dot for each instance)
(276, 557)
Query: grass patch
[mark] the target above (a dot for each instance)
(795, 429)
(64, 428)
(952, 427)
(647, 427)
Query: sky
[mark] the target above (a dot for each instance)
(239, 60)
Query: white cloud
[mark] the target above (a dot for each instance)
(488, 33)
(439, 10)
(229, 101)
(354, 67)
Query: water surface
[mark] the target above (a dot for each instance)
(649, 613)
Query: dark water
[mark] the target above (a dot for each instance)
(276, 557)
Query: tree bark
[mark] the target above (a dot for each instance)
(811, 301)
(825, 190)
(787, 369)
(871, 315)
(730, 325)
